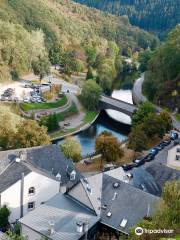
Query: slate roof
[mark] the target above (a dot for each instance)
(65, 213)
(47, 160)
(124, 202)
(161, 174)
(131, 204)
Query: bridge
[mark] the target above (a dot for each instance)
(107, 102)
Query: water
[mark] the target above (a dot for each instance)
(87, 137)
(109, 120)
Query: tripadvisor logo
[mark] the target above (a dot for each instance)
(138, 231)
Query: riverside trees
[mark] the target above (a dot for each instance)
(146, 125)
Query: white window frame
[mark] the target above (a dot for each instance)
(31, 193)
(31, 208)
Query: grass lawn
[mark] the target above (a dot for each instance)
(89, 117)
(178, 116)
(34, 106)
(69, 112)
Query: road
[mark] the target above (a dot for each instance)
(138, 97)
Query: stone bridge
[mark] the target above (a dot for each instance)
(107, 102)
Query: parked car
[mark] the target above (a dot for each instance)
(149, 157)
(127, 167)
(174, 136)
(154, 151)
(26, 100)
(166, 142)
(139, 161)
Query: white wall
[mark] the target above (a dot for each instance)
(45, 188)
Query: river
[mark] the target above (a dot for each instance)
(109, 120)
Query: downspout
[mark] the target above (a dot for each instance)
(22, 195)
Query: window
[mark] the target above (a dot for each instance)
(31, 206)
(178, 150)
(73, 175)
(177, 157)
(31, 191)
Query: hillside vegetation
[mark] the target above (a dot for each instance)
(157, 16)
(162, 81)
(66, 31)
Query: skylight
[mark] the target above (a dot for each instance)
(123, 223)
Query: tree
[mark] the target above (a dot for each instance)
(166, 216)
(167, 120)
(51, 122)
(142, 112)
(30, 134)
(41, 67)
(108, 146)
(90, 95)
(56, 54)
(137, 139)
(71, 148)
(89, 74)
(6, 132)
(154, 125)
(144, 58)
(4, 215)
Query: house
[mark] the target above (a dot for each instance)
(98, 200)
(31, 176)
(173, 158)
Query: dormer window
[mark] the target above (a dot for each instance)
(31, 191)
(73, 175)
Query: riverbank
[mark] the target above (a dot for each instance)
(89, 118)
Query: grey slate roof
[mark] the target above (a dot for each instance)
(65, 213)
(12, 174)
(47, 160)
(131, 204)
(161, 174)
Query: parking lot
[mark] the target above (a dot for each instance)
(23, 92)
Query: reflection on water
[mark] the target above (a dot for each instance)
(126, 96)
(119, 128)
(87, 137)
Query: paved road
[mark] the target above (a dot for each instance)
(138, 97)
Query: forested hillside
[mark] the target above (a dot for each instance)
(158, 15)
(68, 32)
(162, 82)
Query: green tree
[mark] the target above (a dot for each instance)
(167, 120)
(91, 54)
(89, 74)
(51, 122)
(30, 134)
(154, 125)
(144, 58)
(71, 148)
(4, 217)
(6, 132)
(138, 140)
(142, 112)
(41, 67)
(56, 54)
(108, 146)
(90, 95)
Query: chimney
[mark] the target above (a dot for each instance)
(86, 226)
(22, 156)
(51, 228)
(79, 227)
